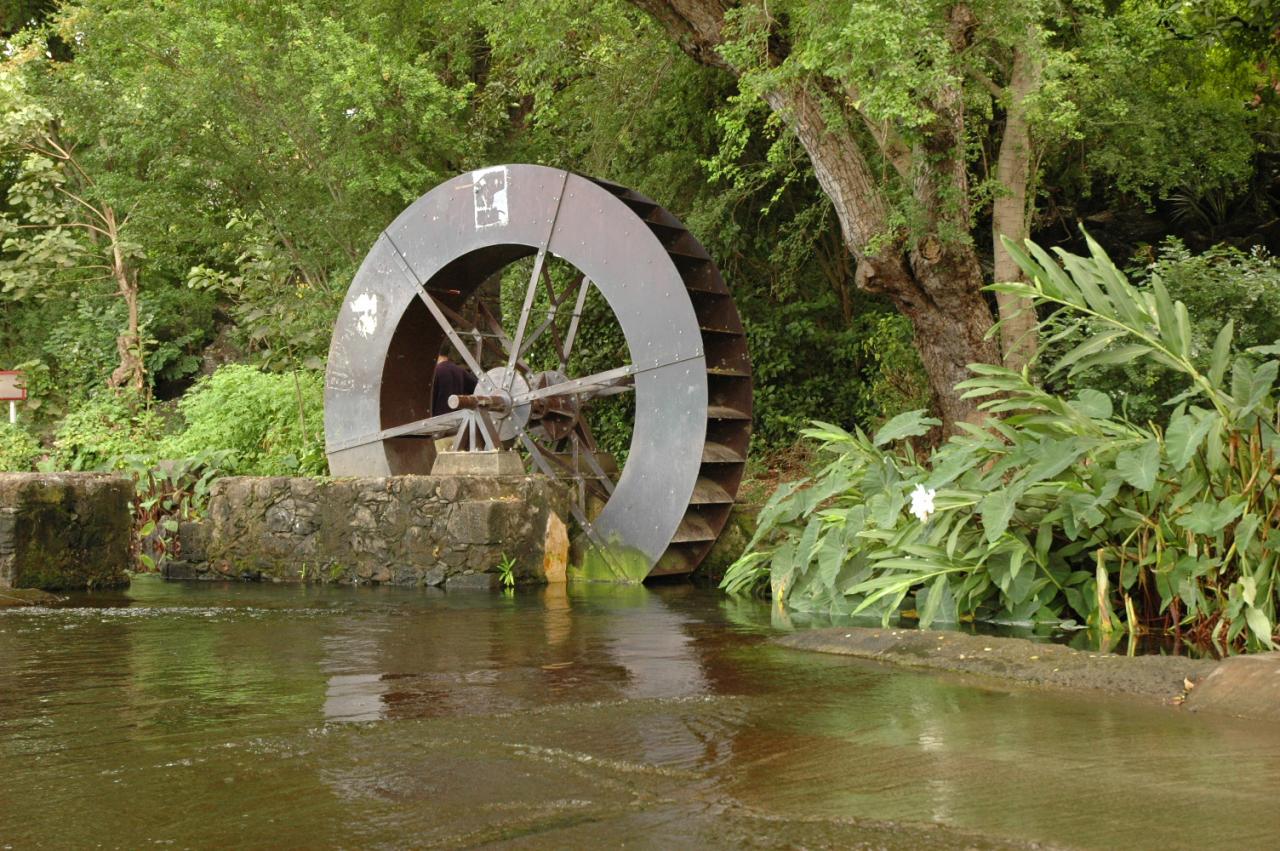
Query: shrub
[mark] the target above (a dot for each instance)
(102, 432)
(18, 449)
(1060, 510)
(1219, 286)
(255, 415)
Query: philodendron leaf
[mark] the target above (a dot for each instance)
(1210, 518)
(1259, 625)
(1140, 466)
(1184, 436)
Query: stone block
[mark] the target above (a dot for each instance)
(179, 569)
(193, 540)
(472, 582)
(493, 463)
(475, 523)
(62, 531)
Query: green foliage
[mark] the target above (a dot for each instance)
(1059, 510)
(254, 177)
(164, 495)
(1220, 286)
(809, 364)
(103, 432)
(507, 571)
(270, 424)
(19, 449)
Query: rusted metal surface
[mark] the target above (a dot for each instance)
(688, 364)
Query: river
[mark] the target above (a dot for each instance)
(255, 715)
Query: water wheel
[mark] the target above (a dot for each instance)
(611, 304)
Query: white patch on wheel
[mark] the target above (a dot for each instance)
(365, 307)
(489, 188)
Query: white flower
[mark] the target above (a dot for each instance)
(922, 502)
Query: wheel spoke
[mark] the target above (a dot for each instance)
(524, 315)
(434, 308)
(573, 322)
(553, 313)
(573, 471)
(593, 462)
(599, 380)
(540, 461)
(486, 340)
(441, 424)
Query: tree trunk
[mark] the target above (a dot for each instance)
(1018, 341)
(131, 372)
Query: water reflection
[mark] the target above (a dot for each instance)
(565, 717)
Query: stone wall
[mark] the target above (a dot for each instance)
(63, 531)
(400, 530)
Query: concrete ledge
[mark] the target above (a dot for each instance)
(396, 530)
(1016, 659)
(63, 531)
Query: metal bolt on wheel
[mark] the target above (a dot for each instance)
(686, 363)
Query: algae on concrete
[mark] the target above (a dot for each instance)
(65, 531)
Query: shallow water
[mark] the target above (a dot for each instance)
(246, 715)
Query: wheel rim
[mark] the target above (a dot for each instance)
(406, 301)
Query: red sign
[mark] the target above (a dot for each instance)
(12, 388)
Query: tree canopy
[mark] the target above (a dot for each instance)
(851, 165)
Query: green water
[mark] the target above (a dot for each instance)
(255, 716)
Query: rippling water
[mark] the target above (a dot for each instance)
(219, 715)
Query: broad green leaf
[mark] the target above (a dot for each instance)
(1084, 276)
(1122, 293)
(1119, 354)
(1221, 354)
(933, 601)
(1184, 437)
(1055, 281)
(1166, 316)
(1260, 625)
(1053, 456)
(1184, 330)
(1210, 518)
(1096, 343)
(1241, 381)
(1093, 404)
(1260, 384)
(906, 424)
(996, 509)
(1140, 466)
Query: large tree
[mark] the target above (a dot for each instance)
(919, 117)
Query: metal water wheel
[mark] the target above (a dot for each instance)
(682, 373)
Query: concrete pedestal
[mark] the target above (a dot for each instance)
(65, 531)
(492, 463)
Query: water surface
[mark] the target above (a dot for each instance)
(248, 715)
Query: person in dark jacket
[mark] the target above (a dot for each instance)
(450, 380)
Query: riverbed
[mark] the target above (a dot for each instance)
(208, 714)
